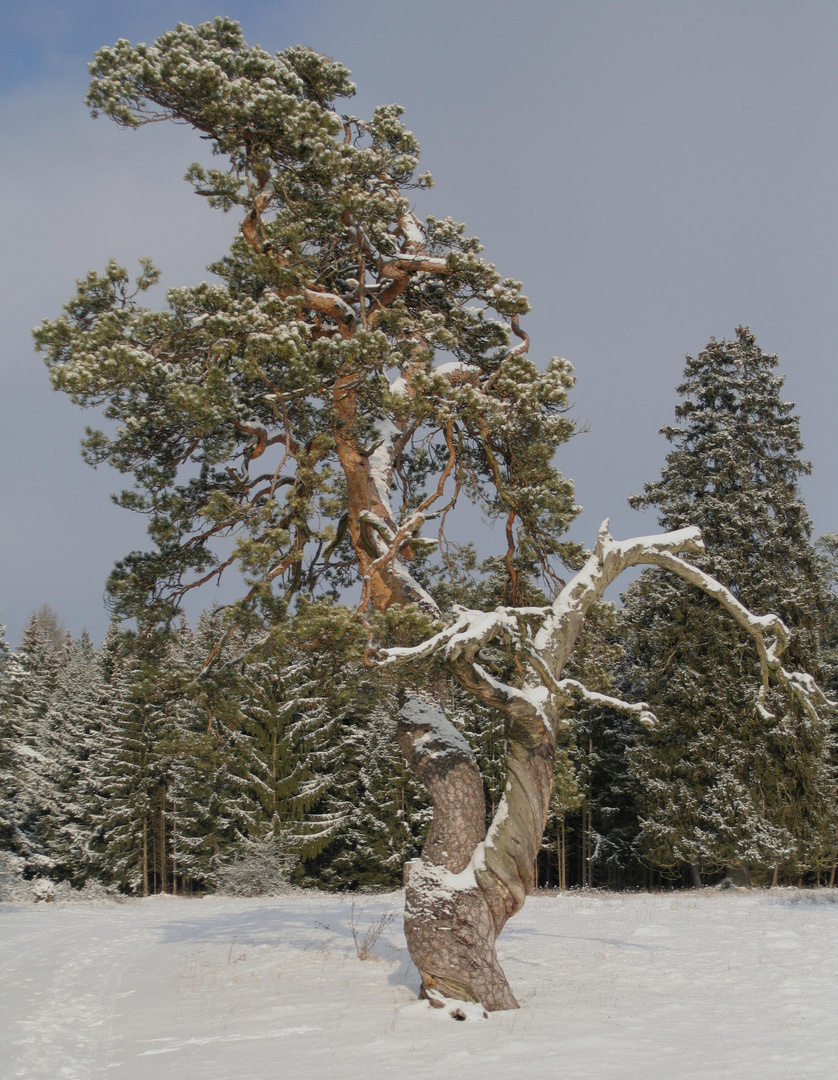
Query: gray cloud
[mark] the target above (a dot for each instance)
(655, 173)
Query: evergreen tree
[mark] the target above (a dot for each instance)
(730, 778)
(66, 741)
(125, 763)
(827, 549)
(213, 772)
(12, 839)
(386, 812)
(351, 374)
(263, 407)
(346, 805)
(30, 696)
(594, 798)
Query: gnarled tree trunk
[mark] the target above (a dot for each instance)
(470, 881)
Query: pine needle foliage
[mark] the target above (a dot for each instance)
(348, 373)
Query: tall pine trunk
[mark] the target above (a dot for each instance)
(163, 841)
(145, 857)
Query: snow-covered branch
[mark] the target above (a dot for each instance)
(547, 652)
(469, 631)
(770, 634)
(638, 709)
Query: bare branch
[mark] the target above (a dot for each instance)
(552, 645)
(639, 709)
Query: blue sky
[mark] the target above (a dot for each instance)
(655, 172)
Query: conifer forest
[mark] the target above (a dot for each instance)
(306, 426)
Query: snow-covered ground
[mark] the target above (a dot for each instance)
(676, 985)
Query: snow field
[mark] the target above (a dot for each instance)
(678, 985)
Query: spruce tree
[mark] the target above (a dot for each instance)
(212, 773)
(31, 694)
(13, 842)
(827, 548)
(130, 766)
(345, 803)
(67, 739)
(730, 778)
(593, 801)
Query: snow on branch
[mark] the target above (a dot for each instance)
(470, 631)
(547, 652)
(638, 709)
(771, 637)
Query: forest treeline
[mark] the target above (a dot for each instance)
(138, 767)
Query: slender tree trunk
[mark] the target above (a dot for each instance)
(145, 857)
(589, 861)
(153, 851)
(163, 842)
(174, 850)
(583, 835)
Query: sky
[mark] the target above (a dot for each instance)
(656, 173)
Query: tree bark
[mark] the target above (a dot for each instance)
(454, 906)
(470, 881)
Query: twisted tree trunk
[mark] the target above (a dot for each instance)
(470, 881)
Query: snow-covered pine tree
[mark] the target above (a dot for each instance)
(296, 690)
(386, 812)
(347, 379)
(67, 738)
(592, 813)
(344, 801)
(348, 376)
(213, 774)
(123, 769)
(827, 549)
(13, 842)
(30, 697)
(724, 784)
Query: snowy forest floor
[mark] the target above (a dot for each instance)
(677, 985)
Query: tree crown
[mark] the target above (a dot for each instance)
(347, 376)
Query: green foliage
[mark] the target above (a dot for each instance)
(592, 808)
(722, 782)
(255, 412)
(13, 839)
(827, 549)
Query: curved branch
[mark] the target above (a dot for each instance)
(550, 649)
(639, 709)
